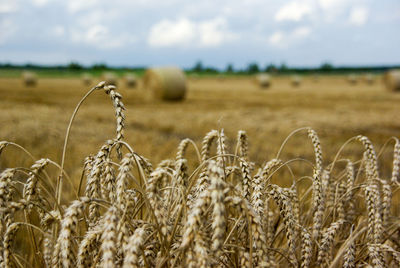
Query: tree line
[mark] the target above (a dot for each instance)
(199, 67)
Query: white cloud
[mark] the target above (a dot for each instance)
(333, 10)
(99, 36)
(318, 11)
(94, 26)
(359, 16)
(7, 29)
(170, 33)
(7, 6)
(40, 2)
(277, 38)
(74, 26)
(215, 32)
(294, 11)
(96, 33)
(185, 32)
(302, 32)
(331, 4)
(95, 16)
(283, 39)
(58, 30)
(75, 6)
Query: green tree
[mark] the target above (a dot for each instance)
(99, 66)
(74, 66)
(229, 68)
(326, 66)
(283, 67)
(271, 68)
(253, 68)
(198, 67)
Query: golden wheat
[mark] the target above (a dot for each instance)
(220, 209)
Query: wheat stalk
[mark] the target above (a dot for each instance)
(216, 214)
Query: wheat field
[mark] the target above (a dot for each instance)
(234, 176)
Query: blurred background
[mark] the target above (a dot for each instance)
(267, 67)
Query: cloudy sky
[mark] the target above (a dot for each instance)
(217, 32)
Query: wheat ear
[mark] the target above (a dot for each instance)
(109, 237)
(119, 114)
(134, 248)
(63, 253)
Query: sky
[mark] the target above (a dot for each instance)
(217, 32)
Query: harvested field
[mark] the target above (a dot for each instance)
(37, 117)
(230, 204)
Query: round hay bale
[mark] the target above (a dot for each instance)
(29, 78)
(315, 78)
(110, 78)
(86, 79)
(392, 80)
(131, 80)
(369, 79)
(166, 83)
(295, 80)
(352, 79)
(263, 80)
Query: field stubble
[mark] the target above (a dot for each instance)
(37, 117)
